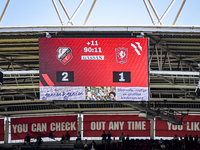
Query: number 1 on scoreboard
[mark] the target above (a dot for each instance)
(121, 76)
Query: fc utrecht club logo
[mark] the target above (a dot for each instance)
(121, 54)
(64, 54)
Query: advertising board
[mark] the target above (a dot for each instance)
(42, 126)
(1, 129)
(134, 126)
(190, 127)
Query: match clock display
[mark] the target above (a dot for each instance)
(94, 69)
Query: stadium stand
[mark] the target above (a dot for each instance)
(174, 53)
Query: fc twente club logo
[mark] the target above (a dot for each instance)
(64, 54)
(121, 54)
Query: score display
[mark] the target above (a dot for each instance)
(97, 69)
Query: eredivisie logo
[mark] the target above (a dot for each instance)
(64, 54)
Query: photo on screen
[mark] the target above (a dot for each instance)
(100, 93)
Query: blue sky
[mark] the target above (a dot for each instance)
(105, 12)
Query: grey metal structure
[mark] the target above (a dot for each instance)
(173, 60)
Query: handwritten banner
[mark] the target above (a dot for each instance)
(132, 93)
(62, 93)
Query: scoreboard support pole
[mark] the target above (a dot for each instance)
(80, 121)
(6, 131)
(152, 133)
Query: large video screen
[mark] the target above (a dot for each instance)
(94, 69)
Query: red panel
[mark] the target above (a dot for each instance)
(94, 125)
(59, 125)
(191, 127)
(95, 72)
(1, 129)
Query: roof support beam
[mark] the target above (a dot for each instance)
(179, 12)
(187, 73)
(152, 19)
(72, 111)
(146, 29)
(4, 10)
(56, 8)
(167, 10)
(155, 12)
(75, 12)
(151, 72)
(184, 86)
(18, 87)
(180, 86)
(157, 113)
(65, 10)
(172, 54)
(12, 62)
(89, 12)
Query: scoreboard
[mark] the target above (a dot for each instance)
(94, 69)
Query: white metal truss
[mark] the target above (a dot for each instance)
(154, 10)
(4, 10)
(147, 4)
(164, 14)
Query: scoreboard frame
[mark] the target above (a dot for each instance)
(126, 60)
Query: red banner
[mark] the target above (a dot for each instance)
(191, 126)
(1, 129)
(94, 125)
(59, 125)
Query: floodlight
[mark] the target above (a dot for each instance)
(48, 35)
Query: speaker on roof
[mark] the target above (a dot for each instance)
(1, 78)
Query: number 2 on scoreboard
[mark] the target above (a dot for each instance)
(64, 76)
(121, 76)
